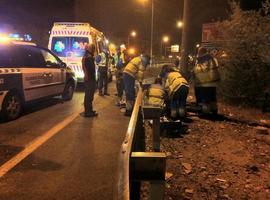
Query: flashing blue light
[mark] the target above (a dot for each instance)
(59, 46)
(76, 45)
(27, 37)
(15, 36)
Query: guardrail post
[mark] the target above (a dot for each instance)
(153, 113)
(139, 135)
(157, 190)
(135, 190)
(156, 135)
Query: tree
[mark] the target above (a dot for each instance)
(246, 70)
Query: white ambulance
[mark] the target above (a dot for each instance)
(68, 40)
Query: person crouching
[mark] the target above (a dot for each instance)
(177, 88)
(156, 94)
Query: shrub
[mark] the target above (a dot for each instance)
(245, 72)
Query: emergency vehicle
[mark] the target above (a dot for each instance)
(28, 73)
(68, 41)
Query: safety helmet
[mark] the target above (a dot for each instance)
(145, 59)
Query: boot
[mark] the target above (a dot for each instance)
(182, 112)
(173, 112)
(129, 107)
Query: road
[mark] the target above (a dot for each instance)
(78, 159)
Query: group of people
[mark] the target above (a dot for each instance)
(127, 71)
(171, 88)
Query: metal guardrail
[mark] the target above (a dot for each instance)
(136, 165)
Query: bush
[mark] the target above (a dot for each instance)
(245, 72)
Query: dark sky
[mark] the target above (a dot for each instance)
(116, 18)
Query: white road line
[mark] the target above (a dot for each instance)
(32, 146)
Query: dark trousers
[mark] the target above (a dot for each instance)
(90, 87)
(129, 83)
(103, 79)
(179, 98)
(119, 83)
(205, 95)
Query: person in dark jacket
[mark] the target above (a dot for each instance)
(89, 69)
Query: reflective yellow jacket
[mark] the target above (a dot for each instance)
(156, 95)
(135, 69)
(174, 81)
(206, 73)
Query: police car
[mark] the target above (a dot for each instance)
(28, 73)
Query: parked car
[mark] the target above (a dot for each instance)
(28, 73)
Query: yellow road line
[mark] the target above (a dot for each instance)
(32, 146)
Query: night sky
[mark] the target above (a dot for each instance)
(116, 18)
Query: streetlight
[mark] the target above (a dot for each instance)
(165, 39)
(132, 34)
(152, 27)
(179, 24)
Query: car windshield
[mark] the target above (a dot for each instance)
(69, 46)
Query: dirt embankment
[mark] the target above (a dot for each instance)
(219, 159)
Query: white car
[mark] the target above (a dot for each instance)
(28, 73)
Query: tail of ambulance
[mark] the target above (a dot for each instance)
(68, 40)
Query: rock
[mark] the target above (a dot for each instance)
(168, 186)
(189, 191)
(221, 180)
(222, 126)
(261, 130)
(168, 154)
(265, 121)
(252, 169)
(258, 188)
(168, 176)
(187, 168)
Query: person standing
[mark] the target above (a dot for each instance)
(89, 69)
(120, 63)
(206, 77)
(134, 70)
(103, 73)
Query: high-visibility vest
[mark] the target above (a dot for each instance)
(206, 73)
(156, 95)
(174, 81)
(135, 69)
(104, 61)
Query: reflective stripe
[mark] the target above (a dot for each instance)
(155, 96)
(70, 32)
(2, 97)
(10, 71)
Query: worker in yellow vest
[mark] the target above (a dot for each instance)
(177, 89)
(133, 70)
(206, 77)
(156, 94)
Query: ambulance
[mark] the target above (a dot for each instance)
(68, 40)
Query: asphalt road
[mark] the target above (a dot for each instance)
(78, 162)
